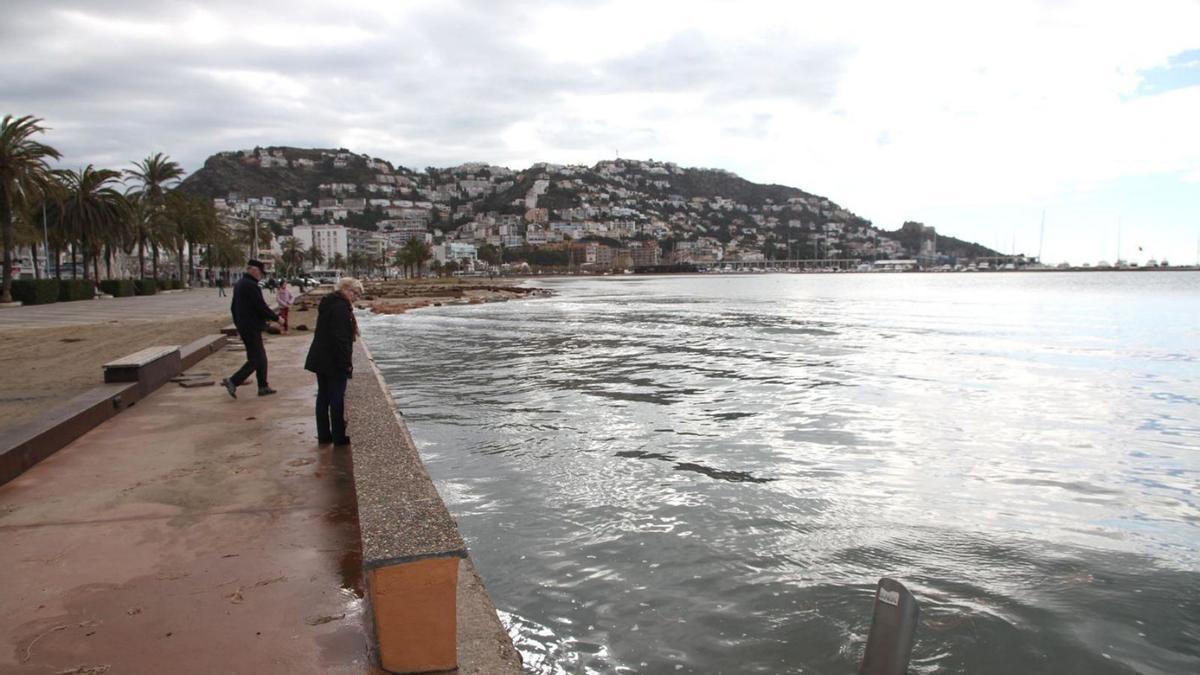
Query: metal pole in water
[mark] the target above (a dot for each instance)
(893, 630)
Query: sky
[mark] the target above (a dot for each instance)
(982, 119)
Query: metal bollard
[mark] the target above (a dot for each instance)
(893, 630)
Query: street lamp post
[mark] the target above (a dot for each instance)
(45, 238)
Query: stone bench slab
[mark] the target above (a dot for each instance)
(142, 358)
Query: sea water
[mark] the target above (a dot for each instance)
(708, 474)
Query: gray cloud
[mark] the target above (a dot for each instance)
(117, 81)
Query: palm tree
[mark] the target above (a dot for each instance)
(315, 255)
(92, 210)
(245, 234)
(404, 259)
(223, 252)
(203, 228)
(356, 262)
(293, 255)
(23, 171)
(338, 262)
(419, 253)
(155, 175)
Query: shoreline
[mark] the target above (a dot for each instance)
(400, 296)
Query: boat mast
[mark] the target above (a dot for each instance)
(1041, 236)
(1118, 261)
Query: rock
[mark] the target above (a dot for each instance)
(188, 384)
(302, 327)
(273, 330)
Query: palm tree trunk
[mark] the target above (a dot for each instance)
(37, 269)
(154, 258)
(74, 263)
(57, 262)
(191, 264)
(141, 256)
(179, 270)
(7, 227)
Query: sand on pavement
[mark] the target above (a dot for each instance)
(42, 367)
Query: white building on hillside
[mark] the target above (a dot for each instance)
(331, 239)
(457, 251)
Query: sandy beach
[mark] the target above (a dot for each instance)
(44, 366)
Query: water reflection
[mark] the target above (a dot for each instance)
(709, 474)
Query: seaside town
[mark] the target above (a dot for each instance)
(605, 337)
(316, 214)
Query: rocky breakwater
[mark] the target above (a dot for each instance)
(396, 296)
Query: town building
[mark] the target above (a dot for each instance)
(331, 239)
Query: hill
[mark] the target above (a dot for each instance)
(695, 214)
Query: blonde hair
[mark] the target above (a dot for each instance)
(350, 284)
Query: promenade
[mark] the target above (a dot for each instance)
(194, 533)
(191, 533)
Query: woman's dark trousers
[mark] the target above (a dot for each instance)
(331, 408)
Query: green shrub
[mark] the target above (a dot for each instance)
(177, 284)
(145, 286)
(35, 291)
(118, 288)
(75, 289)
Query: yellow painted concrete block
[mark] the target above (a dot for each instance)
(414, 606)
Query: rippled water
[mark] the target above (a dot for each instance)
(709, 474)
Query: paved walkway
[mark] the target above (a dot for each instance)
(159, 307)
(190, 534)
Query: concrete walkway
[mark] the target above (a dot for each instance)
(190, 534)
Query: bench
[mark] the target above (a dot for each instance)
(193, 352)
(150, 368)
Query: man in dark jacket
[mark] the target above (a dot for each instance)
(250, 314)
(331, 357)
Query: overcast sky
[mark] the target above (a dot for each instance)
(972, 117)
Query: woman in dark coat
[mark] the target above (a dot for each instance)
(331, 357)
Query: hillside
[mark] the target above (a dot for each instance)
(695, 214)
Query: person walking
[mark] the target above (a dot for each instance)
(250, 313)
(331, 358)
(283, 301)
(220, 286)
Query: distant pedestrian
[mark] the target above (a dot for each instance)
(331, 357)
(220, 286)
(250, 314)
(283, 300)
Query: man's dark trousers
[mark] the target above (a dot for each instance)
(256, 359)
(331, 407)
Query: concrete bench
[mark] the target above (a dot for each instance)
(193, 352)
(150, 368)
(412, 548)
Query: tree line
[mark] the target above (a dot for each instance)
(92, 214)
